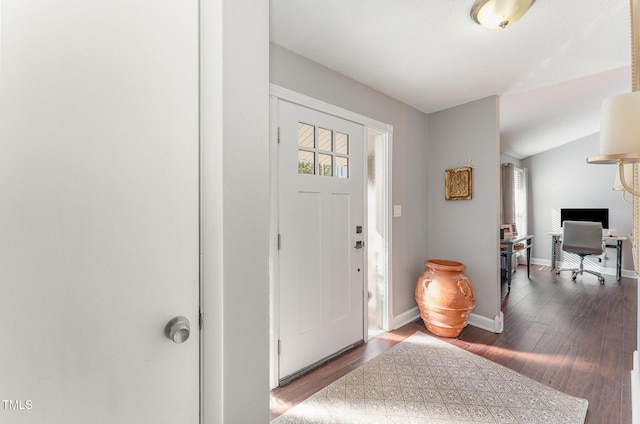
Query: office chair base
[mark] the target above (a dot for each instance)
(579, 271)
(574, 274)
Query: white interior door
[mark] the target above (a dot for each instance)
(321, 235)
(98, 211)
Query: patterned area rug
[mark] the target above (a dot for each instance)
(425, 380)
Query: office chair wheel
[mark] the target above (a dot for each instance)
(558, 272)
(601, 279)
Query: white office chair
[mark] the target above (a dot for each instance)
(582, 238)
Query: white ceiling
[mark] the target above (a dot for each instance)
(552, 68)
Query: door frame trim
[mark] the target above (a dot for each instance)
(387, 317)
(278, 93)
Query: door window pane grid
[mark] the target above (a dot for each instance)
(322, 151)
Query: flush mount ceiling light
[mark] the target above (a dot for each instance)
(498, 14)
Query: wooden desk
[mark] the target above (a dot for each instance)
(508, 252)
(556, 238)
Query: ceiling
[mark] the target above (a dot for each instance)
(551, 69)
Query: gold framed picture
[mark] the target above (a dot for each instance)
(458, 184)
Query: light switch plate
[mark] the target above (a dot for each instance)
(397, 211)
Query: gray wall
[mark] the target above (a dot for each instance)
(467, 230)
(410, 157)
(561, 178)
(504, 158)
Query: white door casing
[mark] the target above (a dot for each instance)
(99, 211)
(320, 267)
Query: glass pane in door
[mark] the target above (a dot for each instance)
(376, 225)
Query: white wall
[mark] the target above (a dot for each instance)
(410, 159)
(235, 196)
(234, 226)
(468, 230)
(561, 178)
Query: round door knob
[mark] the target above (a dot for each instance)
(178, 330)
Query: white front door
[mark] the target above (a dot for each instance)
(321, 254)
(98, 211)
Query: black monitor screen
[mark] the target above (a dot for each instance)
(594, 215)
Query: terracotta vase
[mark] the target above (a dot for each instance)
(445, 297)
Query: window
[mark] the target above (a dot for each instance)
(323, 152)
(514, 197)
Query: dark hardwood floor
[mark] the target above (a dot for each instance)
(577, 337)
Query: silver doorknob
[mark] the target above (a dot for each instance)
(178, 330)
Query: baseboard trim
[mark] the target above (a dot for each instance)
(541, 262)
(406, 317)
(495, 325)
(603, 270)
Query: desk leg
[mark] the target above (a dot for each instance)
(529, 260)
(509, 259)
(554, 240)
(618, 259)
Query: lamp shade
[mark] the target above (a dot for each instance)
(497, 14)
(620, 125)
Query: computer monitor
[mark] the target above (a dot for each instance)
(590, 214)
